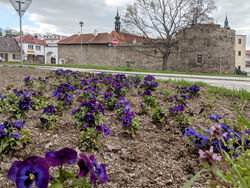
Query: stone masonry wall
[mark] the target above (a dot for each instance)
(102, 55)
(202, 50)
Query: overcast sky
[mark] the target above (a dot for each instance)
(63, 16)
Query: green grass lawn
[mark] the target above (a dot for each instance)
(129, 69)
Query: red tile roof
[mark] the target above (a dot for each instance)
(247, 52)
(127, 38)
(103, 38)
(31, 39)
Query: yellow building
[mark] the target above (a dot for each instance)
(240, 52)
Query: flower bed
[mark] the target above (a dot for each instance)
(133, 126)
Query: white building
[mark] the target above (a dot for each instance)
(51, 50)
(34, 49)
(240, 52)
(248, 62)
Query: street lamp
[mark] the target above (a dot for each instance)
(81, 24)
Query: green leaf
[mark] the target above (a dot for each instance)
(237, 173)
(242, 118)
(77, 182)
(192, 180)
(57, 185)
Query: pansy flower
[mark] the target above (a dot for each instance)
(98, 170)
(18, 124)
(200, 140)
(84, 164)
(49, 110)
(126, 121)
(43, 120)
(32, 170)
(214, 117)
(58, 158)
(189, 132)
(106, 130)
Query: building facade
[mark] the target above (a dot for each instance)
(206, 48)
(240, 52)
(9, 50)
(51, 50)
(34, 49)
(248, 62)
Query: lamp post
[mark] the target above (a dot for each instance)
(81, 24)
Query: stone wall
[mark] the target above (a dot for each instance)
(104, 55)
(203, 49)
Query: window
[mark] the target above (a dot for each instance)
(38, 48)
(16, 56)
(239, 67)
(239, 53)
(199, 58)
(239, 41)
(30, 47)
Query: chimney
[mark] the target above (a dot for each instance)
(95, 33)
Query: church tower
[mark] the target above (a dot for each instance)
(226, 26)
(117, 23)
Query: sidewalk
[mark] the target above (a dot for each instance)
(228, 78)
(220, 81)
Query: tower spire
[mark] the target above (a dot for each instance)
(226, 25)
(117, 22)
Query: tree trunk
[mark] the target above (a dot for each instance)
(165, 61)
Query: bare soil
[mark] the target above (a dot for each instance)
(157, 157)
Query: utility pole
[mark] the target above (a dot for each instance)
(21, 6)
(21, 41)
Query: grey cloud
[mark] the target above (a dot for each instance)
(96, 14)
(66, 14)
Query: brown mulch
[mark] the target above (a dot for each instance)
(157, 157)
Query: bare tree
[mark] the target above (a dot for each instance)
(164, 19)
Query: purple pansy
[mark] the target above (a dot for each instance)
(19, 124)
(147, 93)
(106, 130)
(189, 132)
(126, 121)
(32, 170)
(200, 140)
(58, 158)
(84, 164)
(98, 170)
(49, 110)
(27, 79)
(201, 111)
(43, 120)
(16, 136)
(214, 117)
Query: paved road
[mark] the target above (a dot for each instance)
(220, 81)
